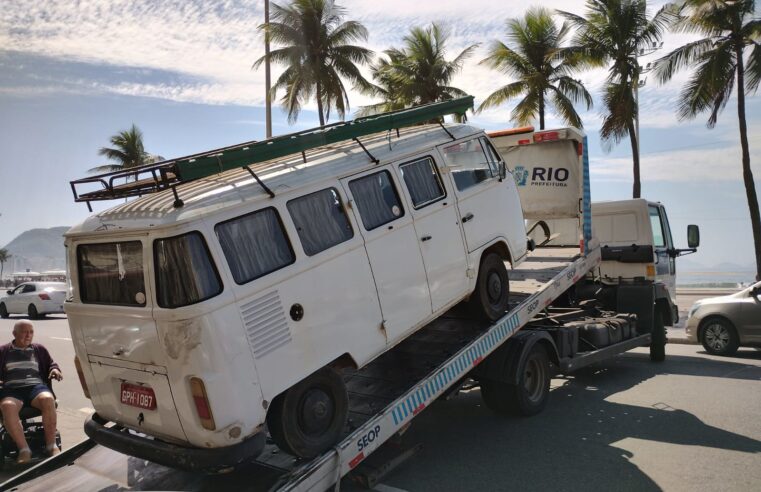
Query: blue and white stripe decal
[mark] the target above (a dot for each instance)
(454, 370)
(587, 201)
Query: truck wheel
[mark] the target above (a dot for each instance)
(3, 311)
(33, 314)
(308, 418)
(530, 395)
(490, 298)
(658, 338)
(719, 337)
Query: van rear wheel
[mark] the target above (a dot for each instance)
(308, 418)
(490, 299)
(3, 311)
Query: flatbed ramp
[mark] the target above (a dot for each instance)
(384, 397)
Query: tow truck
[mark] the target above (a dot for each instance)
(574, 302)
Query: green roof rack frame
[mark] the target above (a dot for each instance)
(171, 173)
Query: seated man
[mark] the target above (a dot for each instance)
(26, 369)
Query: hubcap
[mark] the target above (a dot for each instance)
(717, 336)
(317, 411)
(494, 287)
(533, 381)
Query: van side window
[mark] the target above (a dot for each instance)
(111, 273)
(377, 199)
(185, 272)
(320, 220)
(468, 163)
(254, 245)
(422, 181)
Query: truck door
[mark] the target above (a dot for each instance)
(438, 230)
(480, 198)
(393, 250)
(665, 264)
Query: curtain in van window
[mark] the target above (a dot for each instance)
(377, 199)
(422, 181)
(320, 220)
(111, 273)
(185, 273)
(254, 245)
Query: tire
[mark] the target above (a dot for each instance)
(308, 418)
(490, 299)
(719, 337)
(33, 314)
(530, 395)
(3, 311)
(658, 338)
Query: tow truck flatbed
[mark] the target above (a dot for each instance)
(385, 396)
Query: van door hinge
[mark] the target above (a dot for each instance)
(470, 273)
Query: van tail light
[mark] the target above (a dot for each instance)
(198, 391)
(44, 296)
(81, 375)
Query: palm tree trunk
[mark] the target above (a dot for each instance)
(541, 112)
(637, 188)
(318, 89)
(750, 186)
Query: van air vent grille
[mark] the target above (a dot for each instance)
(266, 324)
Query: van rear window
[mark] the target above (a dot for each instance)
(111, 273)
(185, 273)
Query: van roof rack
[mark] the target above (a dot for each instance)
(170, 173)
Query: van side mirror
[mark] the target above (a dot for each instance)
(502, 170)
(693, 236)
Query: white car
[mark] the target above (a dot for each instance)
(34, 299)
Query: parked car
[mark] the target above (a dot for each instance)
(35, 299)
(722, 324)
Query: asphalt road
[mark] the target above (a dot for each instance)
(690, 423)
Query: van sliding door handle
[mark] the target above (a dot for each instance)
(425, 238)
(467, 218)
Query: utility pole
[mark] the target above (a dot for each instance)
(267, 98)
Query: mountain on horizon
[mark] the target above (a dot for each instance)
(37, 250)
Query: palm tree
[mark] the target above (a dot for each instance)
(418, 73)
(387, 87)
(316, 52)
(127, 152)
(615, 32)
(719, 61)
(535, 56)
(4, 256)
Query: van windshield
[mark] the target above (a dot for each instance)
(111, 273)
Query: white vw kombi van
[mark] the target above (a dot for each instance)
(197, 325)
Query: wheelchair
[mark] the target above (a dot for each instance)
(31, 421)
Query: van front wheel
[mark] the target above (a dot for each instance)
(490, 299)
(308, 418)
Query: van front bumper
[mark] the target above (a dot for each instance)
(171, 455)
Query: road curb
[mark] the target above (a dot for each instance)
(681, 341)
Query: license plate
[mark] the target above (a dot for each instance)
(138, 396)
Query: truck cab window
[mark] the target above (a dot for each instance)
(185, 273)
(422, 181)
(255, 245)
(377, 199)
(111, 273)
(659, 240)
(320, 220)
(468, 163)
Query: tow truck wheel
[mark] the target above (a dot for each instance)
(490, 299)
(308, 418)
(658, 338)
(530, 395)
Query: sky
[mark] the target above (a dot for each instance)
(73, 73)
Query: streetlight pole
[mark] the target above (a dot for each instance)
(267, 83)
